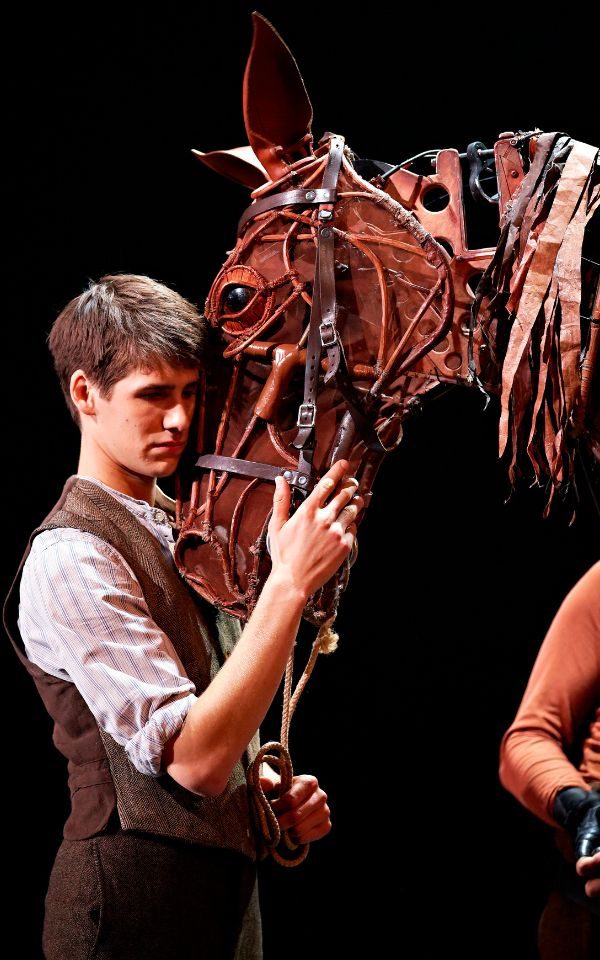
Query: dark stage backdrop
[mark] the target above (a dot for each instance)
(454, 588)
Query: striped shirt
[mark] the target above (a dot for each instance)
(83, 618)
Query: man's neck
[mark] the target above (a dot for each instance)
(117, 477)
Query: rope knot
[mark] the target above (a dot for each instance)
(327, 638)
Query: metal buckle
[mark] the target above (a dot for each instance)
(328, 333)
(306, 415)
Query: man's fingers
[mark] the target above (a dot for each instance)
(346, 499)
(313, 835)
(303, 787)
(303, 810)
(350, 512)
(281, 503)
(311, 828)
(299, 822)
(327, 485)
(309, 814)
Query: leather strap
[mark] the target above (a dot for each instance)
(334, 162)
(324, 195)
(287, 199)
(357, 406)
(251, 468)
(322, 332)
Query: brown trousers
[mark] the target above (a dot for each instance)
(131, 896)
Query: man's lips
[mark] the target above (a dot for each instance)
(170, 445)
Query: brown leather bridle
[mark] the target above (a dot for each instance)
(322, 334)
(323, 340)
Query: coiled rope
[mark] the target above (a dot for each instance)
(277, 755)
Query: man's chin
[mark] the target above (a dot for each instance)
(163, 465)
(164, 470)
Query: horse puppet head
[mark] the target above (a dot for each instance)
(337, 308)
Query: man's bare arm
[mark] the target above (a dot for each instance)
(305, 550)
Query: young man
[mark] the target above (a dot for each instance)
(156, 699)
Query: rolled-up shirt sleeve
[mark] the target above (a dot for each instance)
(83, 618)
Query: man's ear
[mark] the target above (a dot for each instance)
(83, 393)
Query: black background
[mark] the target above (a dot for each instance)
(454, 588)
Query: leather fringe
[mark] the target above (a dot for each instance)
(528, 308)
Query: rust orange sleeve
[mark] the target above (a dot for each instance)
(554, 741)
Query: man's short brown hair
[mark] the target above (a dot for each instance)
(122, 323)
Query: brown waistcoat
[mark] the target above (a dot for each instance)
(101, 776)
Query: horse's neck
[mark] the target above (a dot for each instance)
(437, 200)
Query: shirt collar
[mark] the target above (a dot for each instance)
(162, 513)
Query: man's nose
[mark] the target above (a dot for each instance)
(177, 417)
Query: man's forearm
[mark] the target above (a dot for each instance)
(224, 719)
(306, 550)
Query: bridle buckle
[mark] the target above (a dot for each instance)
(306, 415)
(328, 333)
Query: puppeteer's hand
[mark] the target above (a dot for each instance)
(578, 811)
(589, 869)
(312, 544)
(303, 810)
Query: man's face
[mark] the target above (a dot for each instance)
(142, 427)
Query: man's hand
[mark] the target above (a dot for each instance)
(312, 544)
(303, 810)
(589, 869)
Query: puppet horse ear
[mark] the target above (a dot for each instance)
(240, 164)
(277, 111)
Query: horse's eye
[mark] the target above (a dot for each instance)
(239, 300)
(236, 298)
